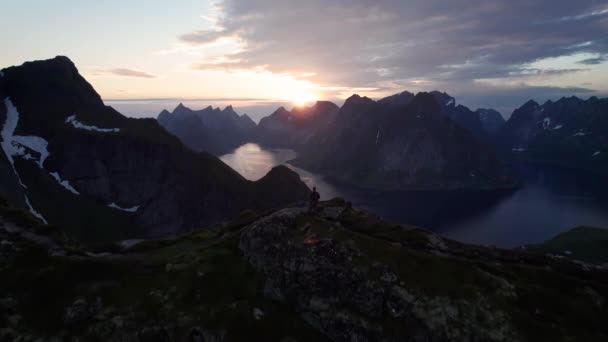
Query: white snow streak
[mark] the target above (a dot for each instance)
(64, 183)
(13, 145)
(377, 136)
(131, 210)
(8, 129)
(33, 211)
(546, 123)
(581, 133)
(34, 143)
(558, 127)
(77, 124)
(519, 149)
(595, 154)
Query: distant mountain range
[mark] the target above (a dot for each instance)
(211, 129)
(72, 161)
(294, 128)
(571, 132)
(391, 145)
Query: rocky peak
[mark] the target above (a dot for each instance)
(444, 99)
(400, 99)
(355, 100)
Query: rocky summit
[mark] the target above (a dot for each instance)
(74, 162)
(286, 275)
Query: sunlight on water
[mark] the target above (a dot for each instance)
(253, 161)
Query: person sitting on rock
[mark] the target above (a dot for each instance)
(314, 200)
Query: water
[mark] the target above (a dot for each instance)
(551, 201)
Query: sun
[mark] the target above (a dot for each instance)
(302, 98)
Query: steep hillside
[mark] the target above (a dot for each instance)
(77, 163)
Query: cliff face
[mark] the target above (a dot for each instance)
(571, 132)
(341, 275)
(382, 146)
(78, 163)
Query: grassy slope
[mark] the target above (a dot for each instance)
(584, 243)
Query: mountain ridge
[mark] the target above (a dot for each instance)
(74, 159)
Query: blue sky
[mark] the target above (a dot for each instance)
(142, 56)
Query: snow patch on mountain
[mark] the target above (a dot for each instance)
(581, 133)
(8, 129)
(34, 143)
(64, 183)
(546, 123)
(131, 210)
(595, 154)
(518, 149)
(33, 211)
(558, 127)
(449, 102)
(77, 124)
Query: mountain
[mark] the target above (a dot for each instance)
(210, 129)
(401, 99)
(74, 162)
(491, 120)
(571, 132)
(382, 146)
(483, 123)
(284, 128)
(342, 275)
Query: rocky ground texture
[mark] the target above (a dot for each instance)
(340, 275)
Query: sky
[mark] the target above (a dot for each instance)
(143, 56)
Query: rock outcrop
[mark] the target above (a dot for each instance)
(341, 275)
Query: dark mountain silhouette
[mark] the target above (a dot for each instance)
(417, 146)
(210, 129)
(491, 120)
(285, 128)
(483, 123)
(75, 162)
(571, 132)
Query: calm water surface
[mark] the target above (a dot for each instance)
(551, 201)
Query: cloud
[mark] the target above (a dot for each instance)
(595, 60)
(360, 42)
(124, 72)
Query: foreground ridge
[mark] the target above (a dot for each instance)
(341, 275)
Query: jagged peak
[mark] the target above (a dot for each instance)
(180, 108)
(356, 99)
(530, 103)
(280, 111)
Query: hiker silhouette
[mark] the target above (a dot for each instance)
(314, 200)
